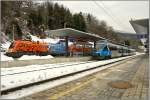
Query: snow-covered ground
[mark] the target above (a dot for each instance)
(29, 57)
(24, 57)
(18, 76)
(5, 58)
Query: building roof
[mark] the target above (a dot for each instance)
(142, 22)
(74, 34)
(140, 26)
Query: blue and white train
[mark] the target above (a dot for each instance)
(105, 49)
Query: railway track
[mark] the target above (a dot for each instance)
(55, 66)
(102, 66)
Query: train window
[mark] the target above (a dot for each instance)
(105, 48)
(120, 50)
(113, 48)
(87, 46)
(12, 45)
(101, 46)
(129, 51)
(46, 46)
(78, 45)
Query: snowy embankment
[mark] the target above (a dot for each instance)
(15, 77)
(24, 57)
(5, 45)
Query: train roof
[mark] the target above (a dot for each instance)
(113, 44)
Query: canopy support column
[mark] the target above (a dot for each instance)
(84, 49)
(66, 44)
(94, 45)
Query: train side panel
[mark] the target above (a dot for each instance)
(109, 50)
(19, 48)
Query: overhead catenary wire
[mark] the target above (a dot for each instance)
(106, 12)
(108, 9)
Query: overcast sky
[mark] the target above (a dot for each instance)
(114, 10)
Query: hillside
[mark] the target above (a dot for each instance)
(127, 35)
(20, 16)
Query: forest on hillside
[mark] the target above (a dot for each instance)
(34, 17)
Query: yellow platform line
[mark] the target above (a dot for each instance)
(63, 93)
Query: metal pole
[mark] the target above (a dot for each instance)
(83, 49)
(65, 25)
(94, 45)
(13, 33)
(66, 43)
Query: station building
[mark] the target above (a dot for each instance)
(141, 27)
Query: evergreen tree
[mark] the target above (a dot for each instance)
(79, 22)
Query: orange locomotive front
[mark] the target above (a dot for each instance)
(20, 47)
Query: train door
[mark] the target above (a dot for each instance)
(120, 51)
(114, 51)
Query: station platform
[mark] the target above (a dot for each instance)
(125, 81)
(61, 59)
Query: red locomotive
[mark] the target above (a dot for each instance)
(19, 48)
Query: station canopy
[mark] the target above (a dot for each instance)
(72, 33)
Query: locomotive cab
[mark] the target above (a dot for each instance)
(22, 47)
(11, 52)
(102, 51)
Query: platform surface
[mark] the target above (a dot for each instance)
(130, 79)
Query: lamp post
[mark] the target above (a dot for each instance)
(65, 24)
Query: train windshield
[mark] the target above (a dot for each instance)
(100, 46)
(11, 45)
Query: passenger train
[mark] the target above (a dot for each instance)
(103, 49)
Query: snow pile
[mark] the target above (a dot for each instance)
(46, 40)
(5, 58)
(35, 38)
(5, 45)
(29, 57)
(24, 57)
(70, 43)
(4, 38)
(50, 40)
